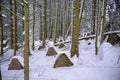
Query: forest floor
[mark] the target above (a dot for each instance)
(104, 66)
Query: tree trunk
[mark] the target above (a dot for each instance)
(51, 20)
(22, 15)
(40, 28)
(55, 30)
(64, 19)
(34, 5)
(96, 29)
(26, 40)
(103, 21)
(1, 32)
(45, 30)
(58, 18)
(76, 26)
(75, 29)
(93, 15)
(15, 28)
(11, 25)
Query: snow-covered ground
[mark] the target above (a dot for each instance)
(105, 66)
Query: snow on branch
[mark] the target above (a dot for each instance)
(93, 36)
(81, 38)
(112, 32)
(3, 15)
(26, 2)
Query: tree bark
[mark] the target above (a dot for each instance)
(56, 23)
(96, 28)
(45, 30)
(1, 32)
(58, 19)
(40, 28)
(75, 29)
(77, 18)
(15, 28)
(93, 16)
(103, 21)
(11, 25)
(26, 40)
(34, 5)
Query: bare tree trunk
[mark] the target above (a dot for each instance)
(96, 29)
(58, 19)
(40, 28)
(34, 5)
(51, 10)
(22, 15)
(48, 21)
(103, 21)
(11, 25)
(45, 30)
(56, 23)
(1, 32)
(68, 20)
(64, 19)
(76, 26)
(93, 15)
(75, 29)
(26, 40)
(15, 28)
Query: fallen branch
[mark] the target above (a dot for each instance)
(82, 38)
(93, 36)
(87, 37)
(112, 32)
